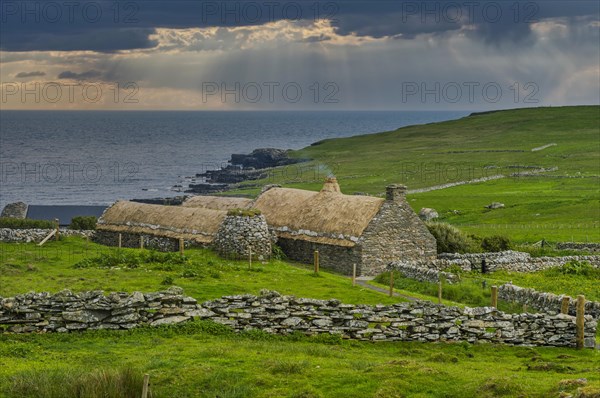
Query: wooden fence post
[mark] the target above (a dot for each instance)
(142, 242)
(57, 234)
(145, 386)
(392, 283)
(250, 256)
(440, 292)
(316, 261)
(353, 274)
(495, 296)
(181, 246)
(120, 240)
(564, 305)
(579, 321)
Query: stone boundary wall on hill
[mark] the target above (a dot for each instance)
(592, 247)
(545, 302)
(273, 313)
(36, 235)
(422, 274)
(507, 261)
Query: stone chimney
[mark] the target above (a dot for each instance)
(331, 185)
(395, 192)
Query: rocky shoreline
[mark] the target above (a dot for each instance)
(242, 167)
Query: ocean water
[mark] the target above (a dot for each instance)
(97, 157)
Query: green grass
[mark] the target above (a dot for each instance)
(552, 208)
(201, 359)
(469, 292)
(202, 274)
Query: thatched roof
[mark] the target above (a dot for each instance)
(198, 224)
(327, 216)
(217, 202)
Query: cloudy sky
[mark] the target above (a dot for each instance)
(326, 55)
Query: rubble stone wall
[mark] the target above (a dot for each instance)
(545, 302)
(413, 321)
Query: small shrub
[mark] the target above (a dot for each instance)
(83, 222)
(495, 243)
(450, 239)
(167, 281)
(277, 253)
(17, 223)
(580, 268)
(189, 274)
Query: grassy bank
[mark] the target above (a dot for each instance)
(558, 205)
(202, 274)
(205, 360)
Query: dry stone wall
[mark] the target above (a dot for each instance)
(507, 260)
(273, 313)
(422, 274)
(546, 302)
(591, 247)
(36, 235)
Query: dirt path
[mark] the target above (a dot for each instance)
(364, 282)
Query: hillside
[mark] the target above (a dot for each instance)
(543, 164)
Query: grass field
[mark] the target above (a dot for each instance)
(202, 359)
(203, 275)
(558, 205)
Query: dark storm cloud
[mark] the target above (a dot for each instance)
(90, 74)
(108, 26)
(22, 75)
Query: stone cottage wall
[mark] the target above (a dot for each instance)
(336, 258)
(237, 235)
(395, 234)
(273, 313)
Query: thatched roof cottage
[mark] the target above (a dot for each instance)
(346, 229)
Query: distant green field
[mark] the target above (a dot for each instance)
(562, 204)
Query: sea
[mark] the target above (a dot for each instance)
(97, 157)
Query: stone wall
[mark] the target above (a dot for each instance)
(422, 274)
(336, 258)
(160, 243)
(36, 235)
(15, 210)
(545, 302)
(396, 233)
(273, 313)
(590, 247)
(507, 261)
(238, 235)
